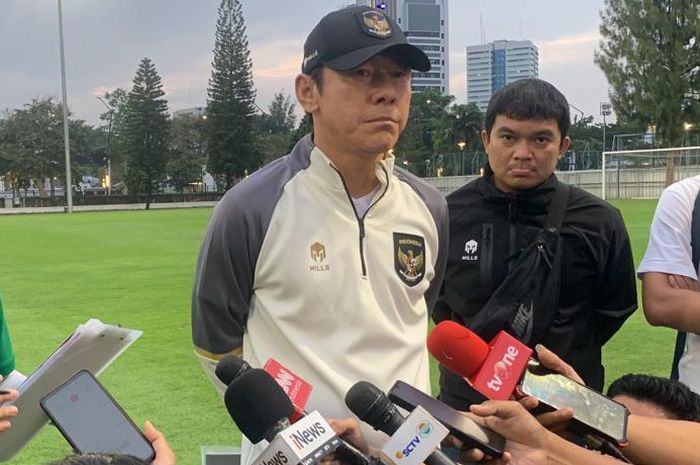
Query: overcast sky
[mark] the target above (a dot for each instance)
(106, 39)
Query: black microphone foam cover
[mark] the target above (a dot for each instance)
(256, 403)
(230, 367)
(372, 406)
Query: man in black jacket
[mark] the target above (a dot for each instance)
(493, 220)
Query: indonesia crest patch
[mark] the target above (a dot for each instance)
(409, 258)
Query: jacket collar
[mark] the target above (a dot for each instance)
(310, 157)
(537, 198)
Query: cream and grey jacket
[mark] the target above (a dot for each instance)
(288, 270)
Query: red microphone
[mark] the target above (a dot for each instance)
(493, 369)
(503, 367)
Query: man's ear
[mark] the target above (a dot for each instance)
(307, 92)
(485, 138)
(565, 144)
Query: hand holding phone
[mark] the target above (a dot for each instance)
(92, 421)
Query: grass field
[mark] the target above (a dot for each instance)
(136, 268)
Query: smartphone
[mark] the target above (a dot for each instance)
(92, 421)
(593, 412)
(462, 427)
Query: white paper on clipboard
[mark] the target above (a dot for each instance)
(93, 346)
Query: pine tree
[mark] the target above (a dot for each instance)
(231, 104)
(281, 117)
(146, 132)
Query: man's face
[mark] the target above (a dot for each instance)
(523, 153)
(363, 110)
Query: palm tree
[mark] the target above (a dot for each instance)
(459, 127)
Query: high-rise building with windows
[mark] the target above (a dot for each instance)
(425, 24)
(387, 6)
(492, 66)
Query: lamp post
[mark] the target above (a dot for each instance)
(687, 127)
(461, 145)
(108, 174)
(605, 110)
(66, 138)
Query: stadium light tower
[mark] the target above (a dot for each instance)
(66, 138)
(605, 110)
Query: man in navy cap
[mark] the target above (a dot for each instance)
(329, 259)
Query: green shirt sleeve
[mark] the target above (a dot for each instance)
(7, 356)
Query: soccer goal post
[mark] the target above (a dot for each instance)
(629, 174)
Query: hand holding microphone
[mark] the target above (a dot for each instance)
(261, 409)
(503, 368)
(373, 407)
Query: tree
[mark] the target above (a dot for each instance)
(416, 145)
(305, 127)
(146, 132)
(459, 127)
(31, 144)
(187, 151)
(462, 123)
(650, 54)
(281, 117)
(113, 128)
(231, 103)
(275, 129)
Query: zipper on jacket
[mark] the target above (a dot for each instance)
(487, 256)
(361, 220)
(511, 235)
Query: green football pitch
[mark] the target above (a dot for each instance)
(135, 269)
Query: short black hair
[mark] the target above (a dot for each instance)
(100, 459)
(317, 76)
(671, 395)
(529, 99)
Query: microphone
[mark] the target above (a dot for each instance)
(503, 367)
(373, 407)
(295, 387)
(258, 405)
(493, 369)
(230, 367)
(260, 409)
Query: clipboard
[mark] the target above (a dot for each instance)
(93, 346)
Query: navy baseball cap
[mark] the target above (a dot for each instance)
(346, 38)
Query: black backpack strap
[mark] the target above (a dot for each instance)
(695, 245)
(557, 208)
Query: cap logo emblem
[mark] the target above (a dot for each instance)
(376, 24)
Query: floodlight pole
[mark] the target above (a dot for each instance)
(605, 110)
(108, 176)
(66, 135)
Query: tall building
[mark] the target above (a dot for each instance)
(492, 66)
(425, 24)
(388, 6)
(191, 111)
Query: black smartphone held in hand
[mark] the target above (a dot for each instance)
(461, 426)
(593, 412)
(92, 421)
